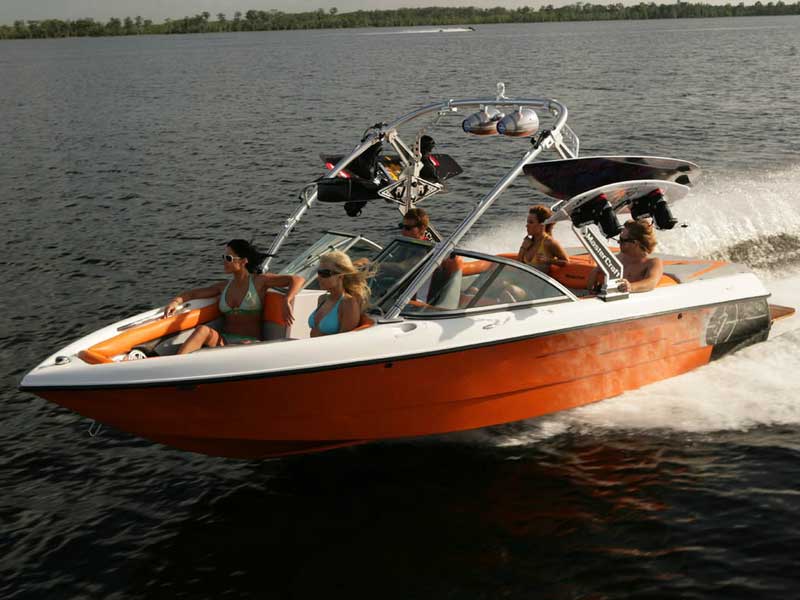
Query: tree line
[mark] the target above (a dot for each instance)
(260, 20)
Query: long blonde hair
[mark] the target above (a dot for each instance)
(355, 278)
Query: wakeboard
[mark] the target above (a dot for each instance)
(565, 179)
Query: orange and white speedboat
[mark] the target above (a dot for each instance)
(456, 340)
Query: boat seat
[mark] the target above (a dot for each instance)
(445, 289)
(273, 325)
(575, 274)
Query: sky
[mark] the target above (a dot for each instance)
(158, 10)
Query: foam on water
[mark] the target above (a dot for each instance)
(756, 386)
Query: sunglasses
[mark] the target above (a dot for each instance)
(405, 227)
(627, 240)
(326, 273)
(229, 258)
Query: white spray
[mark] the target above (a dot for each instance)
(759, 385)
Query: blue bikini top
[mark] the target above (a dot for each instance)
(329, 323)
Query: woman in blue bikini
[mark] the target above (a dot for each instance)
(340, 309)
(240, 299)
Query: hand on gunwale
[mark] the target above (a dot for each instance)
(170, 308)
(288, 314)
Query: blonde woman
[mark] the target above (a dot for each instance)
(340, 309)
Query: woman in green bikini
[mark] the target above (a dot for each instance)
(241, 299)
(539, 249)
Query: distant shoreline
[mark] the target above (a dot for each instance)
(273, 20)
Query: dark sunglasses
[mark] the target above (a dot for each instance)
(229, 258)
(326, 273)
(405, 227)
(627, 240)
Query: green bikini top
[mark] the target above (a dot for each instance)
(250, 304)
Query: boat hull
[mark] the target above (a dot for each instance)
(430, 393)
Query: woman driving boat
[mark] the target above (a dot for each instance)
(241, 299)
(539, 249)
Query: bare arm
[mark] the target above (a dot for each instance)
(655, 270)
(523, 247)
(292, 282)
(560, 256)
(349, 314)
(210, 291)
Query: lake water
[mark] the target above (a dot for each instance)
(125, 163)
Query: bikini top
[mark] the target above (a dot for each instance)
(329, 323)
(540, 258)
(250, 305)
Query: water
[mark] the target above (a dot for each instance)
(127, 162)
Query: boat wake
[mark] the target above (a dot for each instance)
(754, 387)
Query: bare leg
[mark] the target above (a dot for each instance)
(202, 336)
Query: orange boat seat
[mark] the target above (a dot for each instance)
(273, 325)
(576, 273)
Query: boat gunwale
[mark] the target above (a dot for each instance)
(369, 362)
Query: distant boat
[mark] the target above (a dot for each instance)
(407, 31)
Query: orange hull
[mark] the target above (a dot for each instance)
(430, 394)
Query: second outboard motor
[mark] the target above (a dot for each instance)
(654, 205)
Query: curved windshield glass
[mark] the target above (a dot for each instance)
(305, 265)
(393, 266)
(464, 282)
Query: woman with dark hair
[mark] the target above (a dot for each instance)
(539, 249)
(241, 299)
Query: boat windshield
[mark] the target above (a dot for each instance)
(394, 265)
(305, 265)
